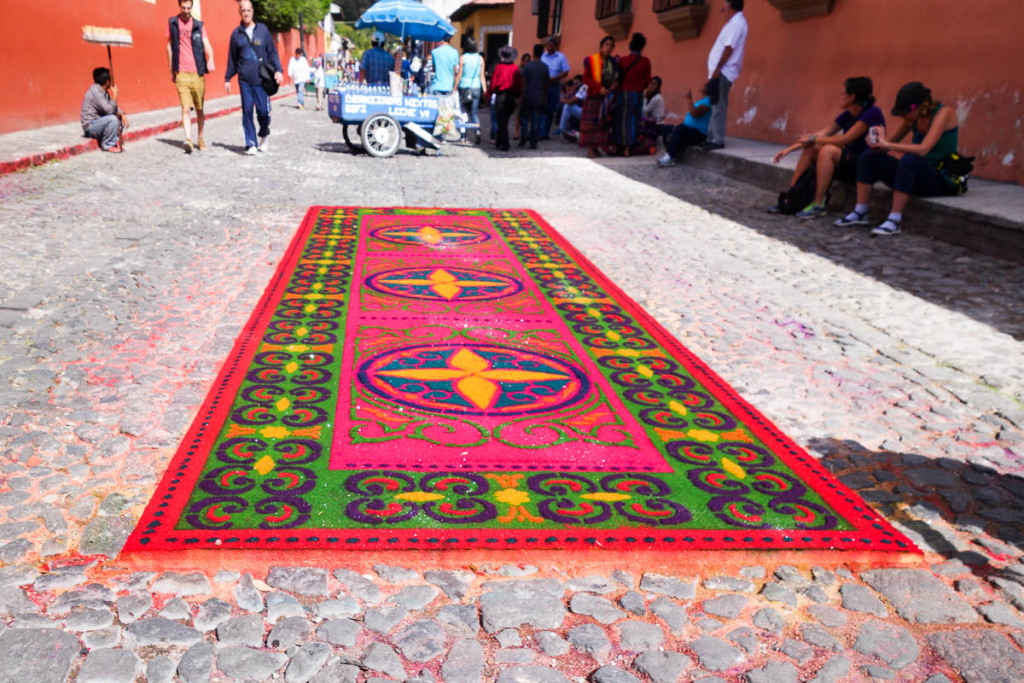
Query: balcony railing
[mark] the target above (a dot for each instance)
(610, 8)
(665, 5)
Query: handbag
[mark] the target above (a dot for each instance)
(956, 171)
(267, 80)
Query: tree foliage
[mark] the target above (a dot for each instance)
(283, 15)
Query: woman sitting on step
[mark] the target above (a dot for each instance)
(909, 169)
(836, 148)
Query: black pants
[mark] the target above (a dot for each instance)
(505, 104)
(682, 137)
(910, 174)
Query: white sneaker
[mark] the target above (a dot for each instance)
(666, 160)
(264, 143)
(250, 151)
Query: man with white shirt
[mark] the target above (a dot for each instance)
(298, 71)
(724, 63)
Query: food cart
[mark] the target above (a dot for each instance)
(376, 119)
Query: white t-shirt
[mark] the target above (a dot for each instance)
(298, 69)
(654, 108)
(734, 35)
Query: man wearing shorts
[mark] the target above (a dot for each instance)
(191, 57)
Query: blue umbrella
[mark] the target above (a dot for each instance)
(406, 19)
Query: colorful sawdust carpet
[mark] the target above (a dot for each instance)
(425, 378)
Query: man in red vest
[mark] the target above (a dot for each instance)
(191, 57)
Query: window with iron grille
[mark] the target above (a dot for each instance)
(662, 5)
(549, 18)
(609, 8)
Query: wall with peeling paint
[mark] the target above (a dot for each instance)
(970, 54)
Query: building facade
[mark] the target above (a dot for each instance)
(799, 52)
(47, 67)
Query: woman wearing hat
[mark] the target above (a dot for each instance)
(506, 84)
(908, 168)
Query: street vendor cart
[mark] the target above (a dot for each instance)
(376, 120)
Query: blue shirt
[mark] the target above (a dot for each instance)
(702, 122)
(557, 63)
(445, 59)
(376, 65)
(472, 63)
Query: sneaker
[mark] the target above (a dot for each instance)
(774, 209)
(851, 219)
(666, 160)
(187, 147)
(250, 151)
(888, 227)
(812, 210)
(264, 143)
(201, 145)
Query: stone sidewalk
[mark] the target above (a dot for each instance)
(899, 363)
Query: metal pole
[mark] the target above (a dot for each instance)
(110, 65)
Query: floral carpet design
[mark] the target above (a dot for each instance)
(440, 378)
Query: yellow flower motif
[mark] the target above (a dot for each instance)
(264, 465)
(512, 497)
(605, 497)
(275, 432)
(419, 496)
(702, 435)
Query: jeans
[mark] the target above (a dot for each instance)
(471, 97)
(720, 112)
(682, 136)
(571, 113)
(554, 95)
(106, 129)
(910, 174)
(300, 93)
(253, 95)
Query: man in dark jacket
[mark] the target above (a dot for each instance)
(191, 58)
(536, 77)
(250, 44)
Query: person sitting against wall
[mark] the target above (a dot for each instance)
(694, 129)
(652, 119)
(101, 118)
(908, 168)
(837, 147)
(573, 95)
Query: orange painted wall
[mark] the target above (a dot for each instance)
(969, 53)
(47, 67)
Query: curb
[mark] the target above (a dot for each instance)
(90, 145)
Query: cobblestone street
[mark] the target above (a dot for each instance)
(899, 362)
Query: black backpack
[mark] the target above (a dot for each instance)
(801, 194)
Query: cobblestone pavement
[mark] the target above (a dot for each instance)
(898, 362)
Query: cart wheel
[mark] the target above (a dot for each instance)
(353, 140)
(381, 135)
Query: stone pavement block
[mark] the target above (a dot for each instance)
(249, 665)
(20, 652)
(920, 597)
(531, 674)
(979, 656)
(107, 665)
(537, 602)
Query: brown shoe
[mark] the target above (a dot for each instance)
(201, 145)
(188, 146)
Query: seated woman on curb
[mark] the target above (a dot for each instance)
(693, 130)
(837, 148)
(909, 169)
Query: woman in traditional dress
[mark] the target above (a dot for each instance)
(601, 76)
(634, 75)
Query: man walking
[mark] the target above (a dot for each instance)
(377, 64)
(724, 63)
(191, 57)
(298, 71)
(558, 69)
(250, 44)
(101, 118)
(447, 72)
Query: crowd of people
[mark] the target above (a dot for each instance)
(613, 107)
